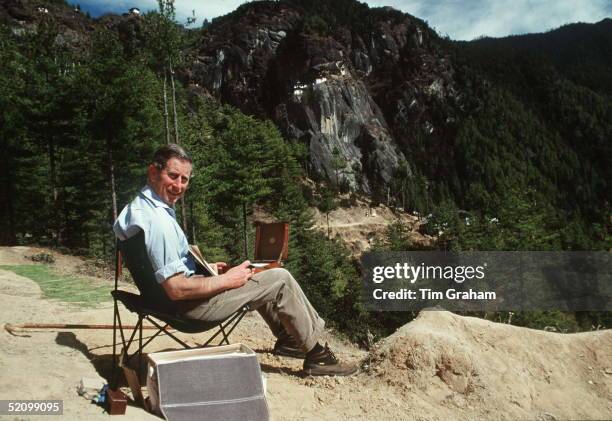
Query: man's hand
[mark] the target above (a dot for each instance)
(238, 275)
(221, 267)
(180, 287)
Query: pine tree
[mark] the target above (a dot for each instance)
(49, 113)
(121, 120)
(12, 133)
(165, 42)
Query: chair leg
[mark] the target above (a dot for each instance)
(163, 329)
(120, 324)
(137, 328)
(115, 335)
(159, 331)
(233, 321)
(239, 316)
(151, 338)
(140, 349)
(115, 371)
(127, 345)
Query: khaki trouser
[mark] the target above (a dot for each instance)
(277, 297)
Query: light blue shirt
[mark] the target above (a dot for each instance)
(165, 241)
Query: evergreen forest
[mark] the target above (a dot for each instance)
(524, 166)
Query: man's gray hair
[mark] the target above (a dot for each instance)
(166, 152)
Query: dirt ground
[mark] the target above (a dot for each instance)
(440, 366)
(360, 224)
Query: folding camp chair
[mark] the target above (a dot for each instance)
(133, 251)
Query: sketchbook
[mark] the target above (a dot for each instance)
(202, 266)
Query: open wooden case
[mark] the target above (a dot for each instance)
(271, 245)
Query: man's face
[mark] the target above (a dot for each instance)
(171, 182)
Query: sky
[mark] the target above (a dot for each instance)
(459, 19)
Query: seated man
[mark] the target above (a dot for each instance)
(273, 293)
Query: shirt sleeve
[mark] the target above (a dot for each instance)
(129, 222)
(163, 248)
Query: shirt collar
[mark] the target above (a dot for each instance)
(149, 194)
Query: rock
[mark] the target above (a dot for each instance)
(349, 95)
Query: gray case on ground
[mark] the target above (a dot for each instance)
(214, 387)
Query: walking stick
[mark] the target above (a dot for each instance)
(10, 328)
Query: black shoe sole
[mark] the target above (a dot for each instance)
(291, 354)
(309, 372)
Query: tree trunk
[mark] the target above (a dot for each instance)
(11, 215)
(184, 216)
(176, 134)
(111, 176)
(7, 199)
(244, 226)
(52, 170)
(193, 232)
(177, 141)
(166, 122)
(54, 193)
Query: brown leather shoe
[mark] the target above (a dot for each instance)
(288, 347)
(325, 363)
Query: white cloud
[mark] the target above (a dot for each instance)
(204, 9)
(470, 19)
(115, 6)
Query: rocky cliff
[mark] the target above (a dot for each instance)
(341, 91)
(25, 15)
(73, 28)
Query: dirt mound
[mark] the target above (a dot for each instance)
(508, 371)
